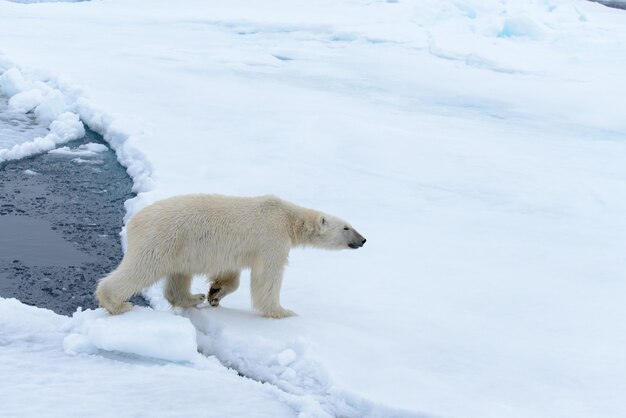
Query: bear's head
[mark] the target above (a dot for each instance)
(335, 234)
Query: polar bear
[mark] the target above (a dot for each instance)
(218, 236)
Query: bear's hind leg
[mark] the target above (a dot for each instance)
(108, 300)
(178, 291)
(222, 285)
(115, 289)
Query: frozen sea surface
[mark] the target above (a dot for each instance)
(478, 145)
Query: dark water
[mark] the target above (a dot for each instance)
(617, 4)
(60, 218)
(35, 243)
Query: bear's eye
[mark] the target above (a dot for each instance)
(345, 228)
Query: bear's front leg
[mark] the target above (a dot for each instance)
(278, 313)
(266, 281)
(222, 285)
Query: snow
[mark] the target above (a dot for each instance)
(521, 26)
(63, 129)
(90, 149)
(51, 106)
(25, 101)
(83, 153)
(478, 146)
(12, 82)
(17, 127)
(142, 332)
(114, 384)
(83, 161)
(100, 365)
(49, 109)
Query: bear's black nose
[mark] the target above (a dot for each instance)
(363, 242)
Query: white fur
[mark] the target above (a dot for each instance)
(218, 236)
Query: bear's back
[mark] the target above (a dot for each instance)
(211, 216)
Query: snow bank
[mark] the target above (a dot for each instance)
(289, 365)
(142, 332)
(50, 108)
(122, 135)
(12, 82)
(285, 365)
(19, 322)
(26, 101)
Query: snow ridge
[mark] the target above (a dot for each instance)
(288, 367)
